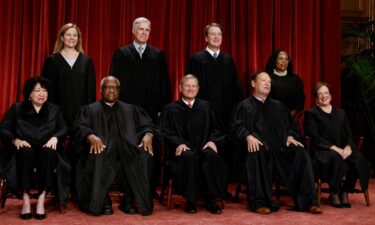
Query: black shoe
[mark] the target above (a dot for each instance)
(127, 206)
(213, 208)
(40, 216)
(107, 206)
(191, 207)
(25, 216)
(145, 212)
(107, 210)
(345, 201)
(334, 204)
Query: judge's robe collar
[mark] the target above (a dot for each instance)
(259, 100)
(109, 106)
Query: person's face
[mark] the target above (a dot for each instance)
(70, 38)
(282, 61)
(189, 89)
(323, 97)
(110, 91)
(141, 33)
(214, 38)
(262, 85)
(38, 95)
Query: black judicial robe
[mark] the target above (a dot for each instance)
(23, 122)
(325, 130)
(144, 82)
(288, 89)
(218, 82)
(194, 127)
(71, 87)
(271, 123)
(121, 128)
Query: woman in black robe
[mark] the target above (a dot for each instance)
(71, 72)
(333, 147)
(73, 79)
(287, 87)
(33, 130)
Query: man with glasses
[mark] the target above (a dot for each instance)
(115, 140)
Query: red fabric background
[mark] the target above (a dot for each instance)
(308, 30)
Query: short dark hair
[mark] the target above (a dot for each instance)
(319, 85)
(32, 82)
(256, 74)
(212, 25)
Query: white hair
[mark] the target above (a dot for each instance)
(109, 78)
(140, 20)
(188, 77)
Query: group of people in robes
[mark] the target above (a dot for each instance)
(116, 138)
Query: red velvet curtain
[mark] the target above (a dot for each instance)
(308, 30)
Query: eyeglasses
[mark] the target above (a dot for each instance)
(283, 59)
(111, 88)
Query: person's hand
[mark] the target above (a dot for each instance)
(347, 151)
(211, 145)
(96, 144)
(146, 143)
(181, 148)
(339, 151)
(253, 144)
(20, 143)
(51, 143)
(290, 140)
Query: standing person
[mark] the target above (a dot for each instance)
(142, 71)
(193, 130)
(217, 74)
(333, 147)
(73, 79)
(287, 87)
(116, 143)
(219, 83)
(35, 129)
(71, 72)
(273, 151)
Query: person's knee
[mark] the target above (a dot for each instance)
(26, 152)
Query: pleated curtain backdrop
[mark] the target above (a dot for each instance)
(308, 29)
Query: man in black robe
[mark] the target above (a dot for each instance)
(193, 130)
(218, 80)
(273, 151)
(117, 143)
(142, 71)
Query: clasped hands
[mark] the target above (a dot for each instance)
(344, 152)
(254, 144)
(183, 147)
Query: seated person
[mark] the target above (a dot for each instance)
(192, 128)
(34, 130)
(273, 150)
(119, 136)
(333, 147)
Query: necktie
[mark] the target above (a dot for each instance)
(190, 105)
(140, 51)
(215, 55)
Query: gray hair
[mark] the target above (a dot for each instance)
(109, 78)
(140, 20)
(188, 77)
